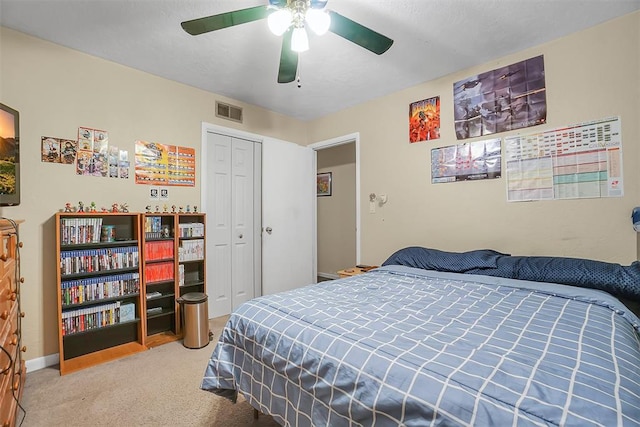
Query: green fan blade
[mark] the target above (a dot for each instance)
(288, 60)
(359, 34)
(225, 20)
(318, 4)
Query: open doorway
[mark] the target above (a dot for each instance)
(337, 208)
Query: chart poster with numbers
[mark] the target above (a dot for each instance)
(574, 162)
(465, 162)
(161, 164)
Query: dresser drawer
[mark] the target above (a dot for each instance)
(10, 396)
(7, 252)
(9, 337)
(11, 374)
(8, 294)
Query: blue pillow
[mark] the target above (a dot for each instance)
(616, 279)
(434, 259)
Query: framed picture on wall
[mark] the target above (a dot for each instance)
(324, 184)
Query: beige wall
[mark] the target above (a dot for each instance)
(589, 75)
(56, 90)
(337, 214)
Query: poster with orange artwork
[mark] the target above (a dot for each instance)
(424, 120)
(161, 164)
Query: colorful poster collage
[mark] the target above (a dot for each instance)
(95, 157)
(91, 154)
(160, 164)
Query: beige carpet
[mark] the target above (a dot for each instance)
(158, 387)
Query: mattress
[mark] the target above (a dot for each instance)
(407, 346)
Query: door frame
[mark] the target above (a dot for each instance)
(328, 143)
(334, 142)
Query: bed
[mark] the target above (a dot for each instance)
(442, 338)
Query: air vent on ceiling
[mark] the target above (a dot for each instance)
(228, 111)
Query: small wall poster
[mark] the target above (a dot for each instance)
(57, 150)
(50, 149)
(323, 181)
(424, 120)
(464, 162)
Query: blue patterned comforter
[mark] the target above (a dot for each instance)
(405, 346)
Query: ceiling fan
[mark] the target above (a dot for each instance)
(290, 18)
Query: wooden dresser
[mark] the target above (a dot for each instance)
(12, 364)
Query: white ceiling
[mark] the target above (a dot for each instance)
(432, 38)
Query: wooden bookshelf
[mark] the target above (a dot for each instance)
(191, 266)
(159, 277)
(173, 264)
(100, 306)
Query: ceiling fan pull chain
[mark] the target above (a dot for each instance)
(298, 73)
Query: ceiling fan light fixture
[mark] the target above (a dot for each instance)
(299, 40)
(289, 19)
(318, 20)
(279, 21)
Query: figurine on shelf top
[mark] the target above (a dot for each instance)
(67, 207)
(195, 209)
(114, 208)
(148, 208)
(173, 208)
(124, 208)
(80, 207)
(179, 209)
(188, 209)
(157, 209)
(165, 209)
(92, 207)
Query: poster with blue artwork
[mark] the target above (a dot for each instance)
(500, 100)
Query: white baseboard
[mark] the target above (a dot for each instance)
(328, 275)
(42, 362)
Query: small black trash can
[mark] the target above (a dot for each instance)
(195, 319)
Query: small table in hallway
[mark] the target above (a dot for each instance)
(353, 271)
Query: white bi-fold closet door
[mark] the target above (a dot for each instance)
(233, 221)
(259, 195)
